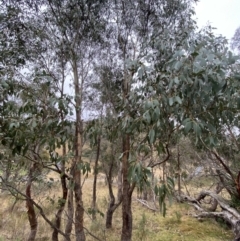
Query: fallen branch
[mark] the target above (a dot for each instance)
(227, 213)
(145, 203)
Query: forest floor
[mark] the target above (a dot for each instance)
(178, 225)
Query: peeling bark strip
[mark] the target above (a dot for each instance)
(229, 214)
(29, 205)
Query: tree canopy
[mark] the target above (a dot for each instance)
(144, 71)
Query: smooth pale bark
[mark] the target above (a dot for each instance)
(79, 211)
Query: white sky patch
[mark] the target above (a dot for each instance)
(221, 14)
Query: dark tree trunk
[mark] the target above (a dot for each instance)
(30, 207)
(70, 212)
(63, 201)
(94, 208)
(127, 193)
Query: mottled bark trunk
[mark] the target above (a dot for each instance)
(30, 207)
(63, 201)
(79, 211)
(94, 208)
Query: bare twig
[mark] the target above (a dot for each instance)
(165, 160)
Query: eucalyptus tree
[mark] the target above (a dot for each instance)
(13, 56)
(27, 128)
(137, 30)
(107, 88)
(180, 78)
(235, 41)
(30, 106)
(77, 24)
(193, 89)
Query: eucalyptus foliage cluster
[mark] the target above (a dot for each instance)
(142, 68)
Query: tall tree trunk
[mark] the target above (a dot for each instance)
(94, 208)
(63, 177)
(126, 187)
(127, 193)
(63, 201)
(30, 207)
(79, 211)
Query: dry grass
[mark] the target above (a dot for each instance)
(147, 225)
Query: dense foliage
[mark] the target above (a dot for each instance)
(132, 79)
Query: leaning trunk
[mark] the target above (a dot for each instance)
(111, 209)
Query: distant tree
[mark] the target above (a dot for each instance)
(235, 41)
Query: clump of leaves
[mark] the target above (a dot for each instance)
(164, 191)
